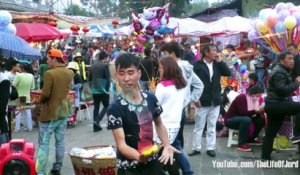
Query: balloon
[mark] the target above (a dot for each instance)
(290, 5)
(243, 68)
(11, 28)
(150, 30)
(149, 14)
(264, 13)
(164, 20)
(290, 22)
(252, 35)
(297, 16)
(165, 30)
(283, 14)
(5, 18)
(141, 39)
(293, 10)
(280, 27)
(155, 23)
(280, 6)
(261, 26)
(272, 19)
(160, 13)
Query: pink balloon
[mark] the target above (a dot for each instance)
(155, 23)
(272, 20)
(293, 10)
(141, 39)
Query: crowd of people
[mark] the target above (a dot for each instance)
(150, 92)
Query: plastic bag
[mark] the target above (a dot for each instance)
(281, 142)
(86, 94)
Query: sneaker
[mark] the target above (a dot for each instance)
(55, 172)
(244, 148)
(255, 142)
(296, 139)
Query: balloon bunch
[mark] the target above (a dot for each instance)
(151, 23)
(5, 23)
(278, 27)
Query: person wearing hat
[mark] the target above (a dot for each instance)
(79, 63)
(54, 111)
(76, 84)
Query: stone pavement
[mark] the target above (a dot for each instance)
(82, 136)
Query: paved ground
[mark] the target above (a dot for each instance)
(82, 136)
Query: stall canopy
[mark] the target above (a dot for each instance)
(229, 26)
(37, 32)
(187, 26)
(105, 31)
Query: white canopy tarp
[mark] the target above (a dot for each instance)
(229, 26)
(81, 33)
(187, 26)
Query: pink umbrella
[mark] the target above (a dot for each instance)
(37, 32)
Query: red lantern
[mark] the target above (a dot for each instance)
(115, 23)
(75, 29)
(85, 30)
(52, 23)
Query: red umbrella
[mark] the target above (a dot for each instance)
(37, 32)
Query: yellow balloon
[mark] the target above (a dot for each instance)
(262, 28)
(290, 22)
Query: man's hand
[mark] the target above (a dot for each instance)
(197, 103)
(168, 154)
(297, 80)
(261, 110)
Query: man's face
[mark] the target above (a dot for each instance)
(51, 62)
(293, 50)
(288, 61)
(16, 68)
(212, 53)
(128, 78)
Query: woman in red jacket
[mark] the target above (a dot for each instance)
(243, 111)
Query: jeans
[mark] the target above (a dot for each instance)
(28, 119)
(260, 75)
(206, 115)
(242, 123)
(180, 133)
(46, 129)
(276, 112)
(182, 159)
(98, 98)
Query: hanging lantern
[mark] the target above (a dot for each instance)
(115, 23)
(52, 23)
(85, 30)
(74, 29)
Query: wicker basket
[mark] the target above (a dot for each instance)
(94, 166)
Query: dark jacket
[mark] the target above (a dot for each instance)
(212, 89)
(296, 69)
(100, 78)
(4, 97)
(281, 85)
(149, 69)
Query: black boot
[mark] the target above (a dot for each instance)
(55, 172)
(97, 127)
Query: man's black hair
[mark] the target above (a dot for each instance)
(206, 49)
(102, 55)
(253, 76)
(147, 51)
(172, 47)
(283, 55)
(126, 60)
